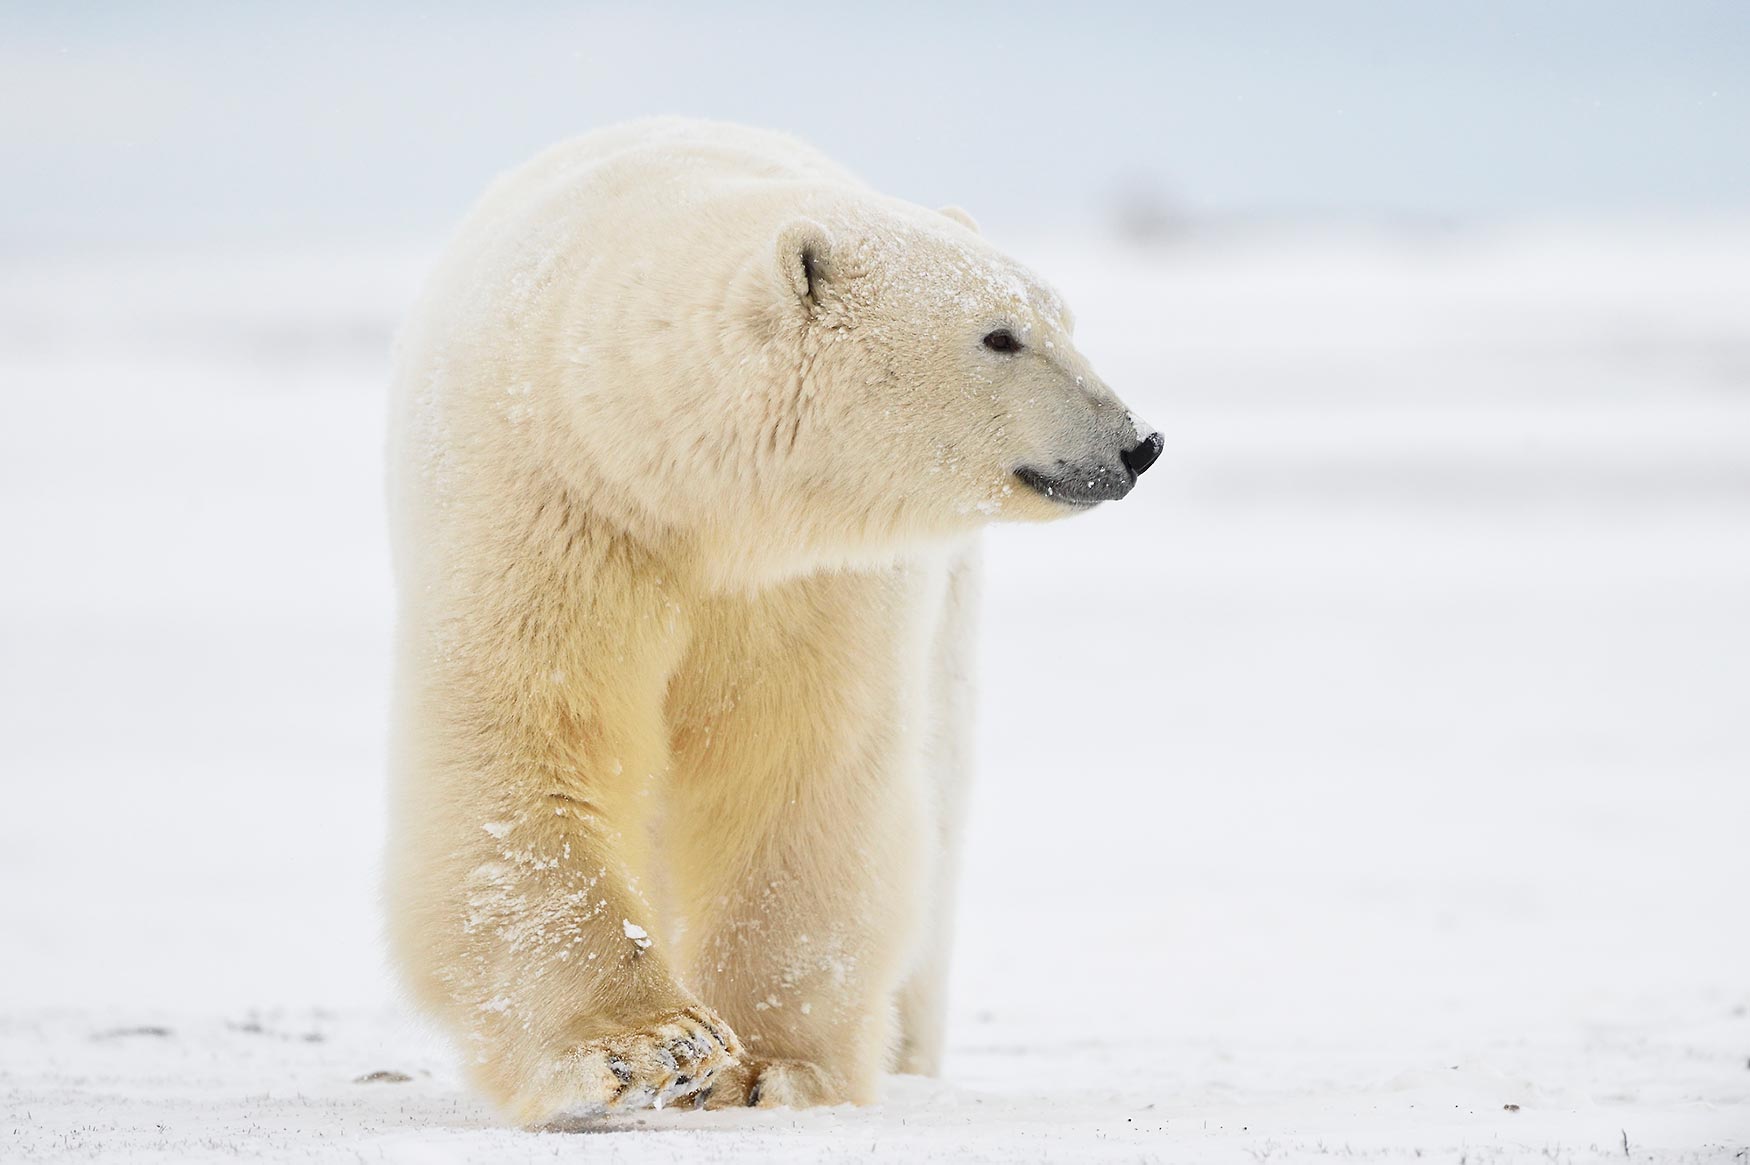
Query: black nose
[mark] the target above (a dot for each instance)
(1138, 460)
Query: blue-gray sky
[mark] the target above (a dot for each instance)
(123, 122)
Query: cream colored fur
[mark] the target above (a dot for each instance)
(692, 434)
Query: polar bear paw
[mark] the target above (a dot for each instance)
(771, 1084)
(674, 1058)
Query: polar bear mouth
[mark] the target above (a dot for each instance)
(1078, 486)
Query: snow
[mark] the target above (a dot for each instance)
(1376, 767)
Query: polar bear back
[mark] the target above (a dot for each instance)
(659, 179)
(593, 281)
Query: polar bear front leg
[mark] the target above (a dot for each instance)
(806, 949)
(561, 984)
(800, 932)
(519, 868)
(799, 822)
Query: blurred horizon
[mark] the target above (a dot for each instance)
(197, 122)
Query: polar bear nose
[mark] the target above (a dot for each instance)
(1139, 457)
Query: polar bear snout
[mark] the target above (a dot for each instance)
(1076, 483)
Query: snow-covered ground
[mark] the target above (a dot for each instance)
(1387, 754)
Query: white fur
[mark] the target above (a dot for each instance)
(692, 433)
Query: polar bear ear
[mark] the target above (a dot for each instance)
(959, 215)
(805, 259)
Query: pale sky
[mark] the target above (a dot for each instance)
(125, 123)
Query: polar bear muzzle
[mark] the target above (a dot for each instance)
(1084, 484)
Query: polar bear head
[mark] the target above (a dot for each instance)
(873, 376)
(938, 383)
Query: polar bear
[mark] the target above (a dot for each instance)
(692, 434)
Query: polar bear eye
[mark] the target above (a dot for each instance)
(1002, 340)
